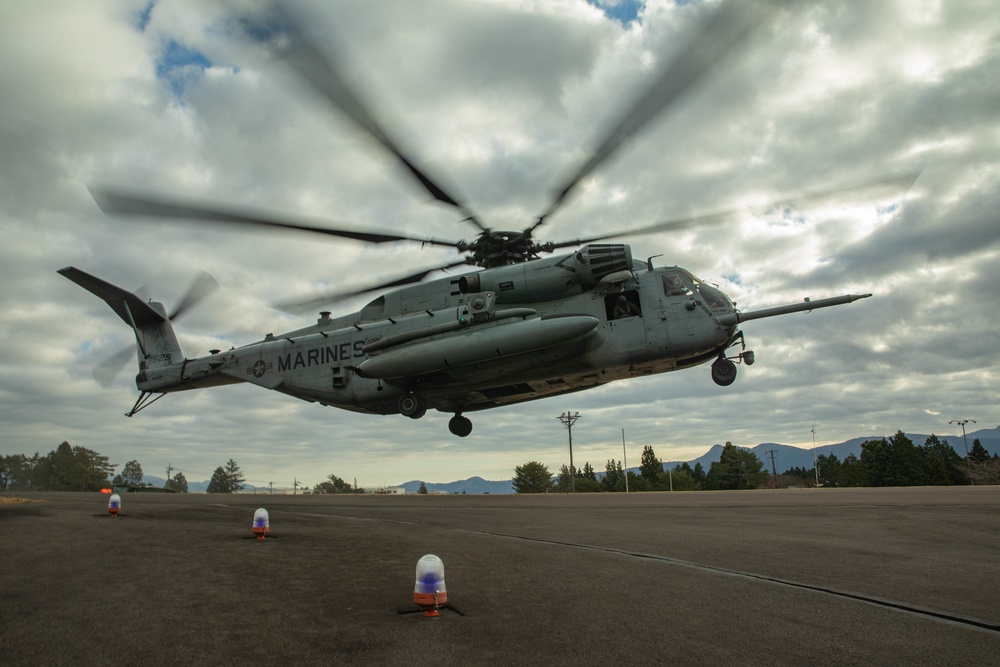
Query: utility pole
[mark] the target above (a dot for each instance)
(169, 470)
(568, 420)
(295, 485)
(815, 465)
(774, 469)
(625, 461)
(270, 485)
(963, 422)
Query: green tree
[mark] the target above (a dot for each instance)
(423, 489)
(219, 482)
(564, 481)
(17, 470)
(894, 462)
(853, 472)
(588, 472)
(978, 453)
(614, 476)
(69, 468)
(941, 462)
(131, 474)
(587, 485)
(178, 483)
(698, 473)
(532, 477)
(829, 469)
(681, 479)
(333, 484)
(737, 468)
(650, 467)
(637, 482)
(235, 476)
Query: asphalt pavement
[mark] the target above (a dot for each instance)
(820, 576)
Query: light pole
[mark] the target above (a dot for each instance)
(568, 420)
(963, 422)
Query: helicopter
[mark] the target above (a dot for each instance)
(523, 325)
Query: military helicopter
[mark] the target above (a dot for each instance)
(520, 327)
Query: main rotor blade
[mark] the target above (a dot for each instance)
(718, 40)
(858, 193)
(301, 307)
(117, 202)
(203, 285)
(320, 72)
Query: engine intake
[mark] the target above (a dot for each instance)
(551, 278)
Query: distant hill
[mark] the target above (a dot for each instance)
(787, 456)
(473, 485)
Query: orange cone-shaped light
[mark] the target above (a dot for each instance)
(429, 590)
(114, 504)
(261, 523)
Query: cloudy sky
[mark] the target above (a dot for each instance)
(501, 99)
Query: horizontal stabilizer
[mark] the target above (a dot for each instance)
(132, 309)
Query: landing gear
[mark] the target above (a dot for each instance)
(460, 426)
(723, 372)
(724, 369)
(412, 406)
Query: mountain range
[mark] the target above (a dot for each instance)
(785, 457)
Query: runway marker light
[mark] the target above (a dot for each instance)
(261, 523)
(114, 504)
(429, 590)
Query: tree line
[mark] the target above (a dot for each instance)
(74, 468)
(895, 461)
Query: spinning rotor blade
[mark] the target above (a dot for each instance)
(302, 307)
(203, 285)
(320, 72)
(854, 194)
(716, 42)
(106, 371)
(117, 202)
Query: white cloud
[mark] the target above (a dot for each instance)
(503, 99)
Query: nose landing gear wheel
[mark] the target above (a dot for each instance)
(723, 372)
(412, 406)
(460, 426)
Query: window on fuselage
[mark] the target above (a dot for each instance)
(620, 305)
(675, 283)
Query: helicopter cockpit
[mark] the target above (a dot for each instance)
(678, 282)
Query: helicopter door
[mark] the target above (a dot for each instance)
(625, 313)
(679, 310)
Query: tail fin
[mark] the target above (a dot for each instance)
(158, 345)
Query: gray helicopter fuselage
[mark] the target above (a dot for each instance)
(498, 336)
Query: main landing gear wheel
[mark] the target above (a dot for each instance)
(460, 426)
(723, 372)
(412, 406)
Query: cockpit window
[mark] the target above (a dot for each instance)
(675, 285)
(678, 283)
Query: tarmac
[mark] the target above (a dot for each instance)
(905, 576)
